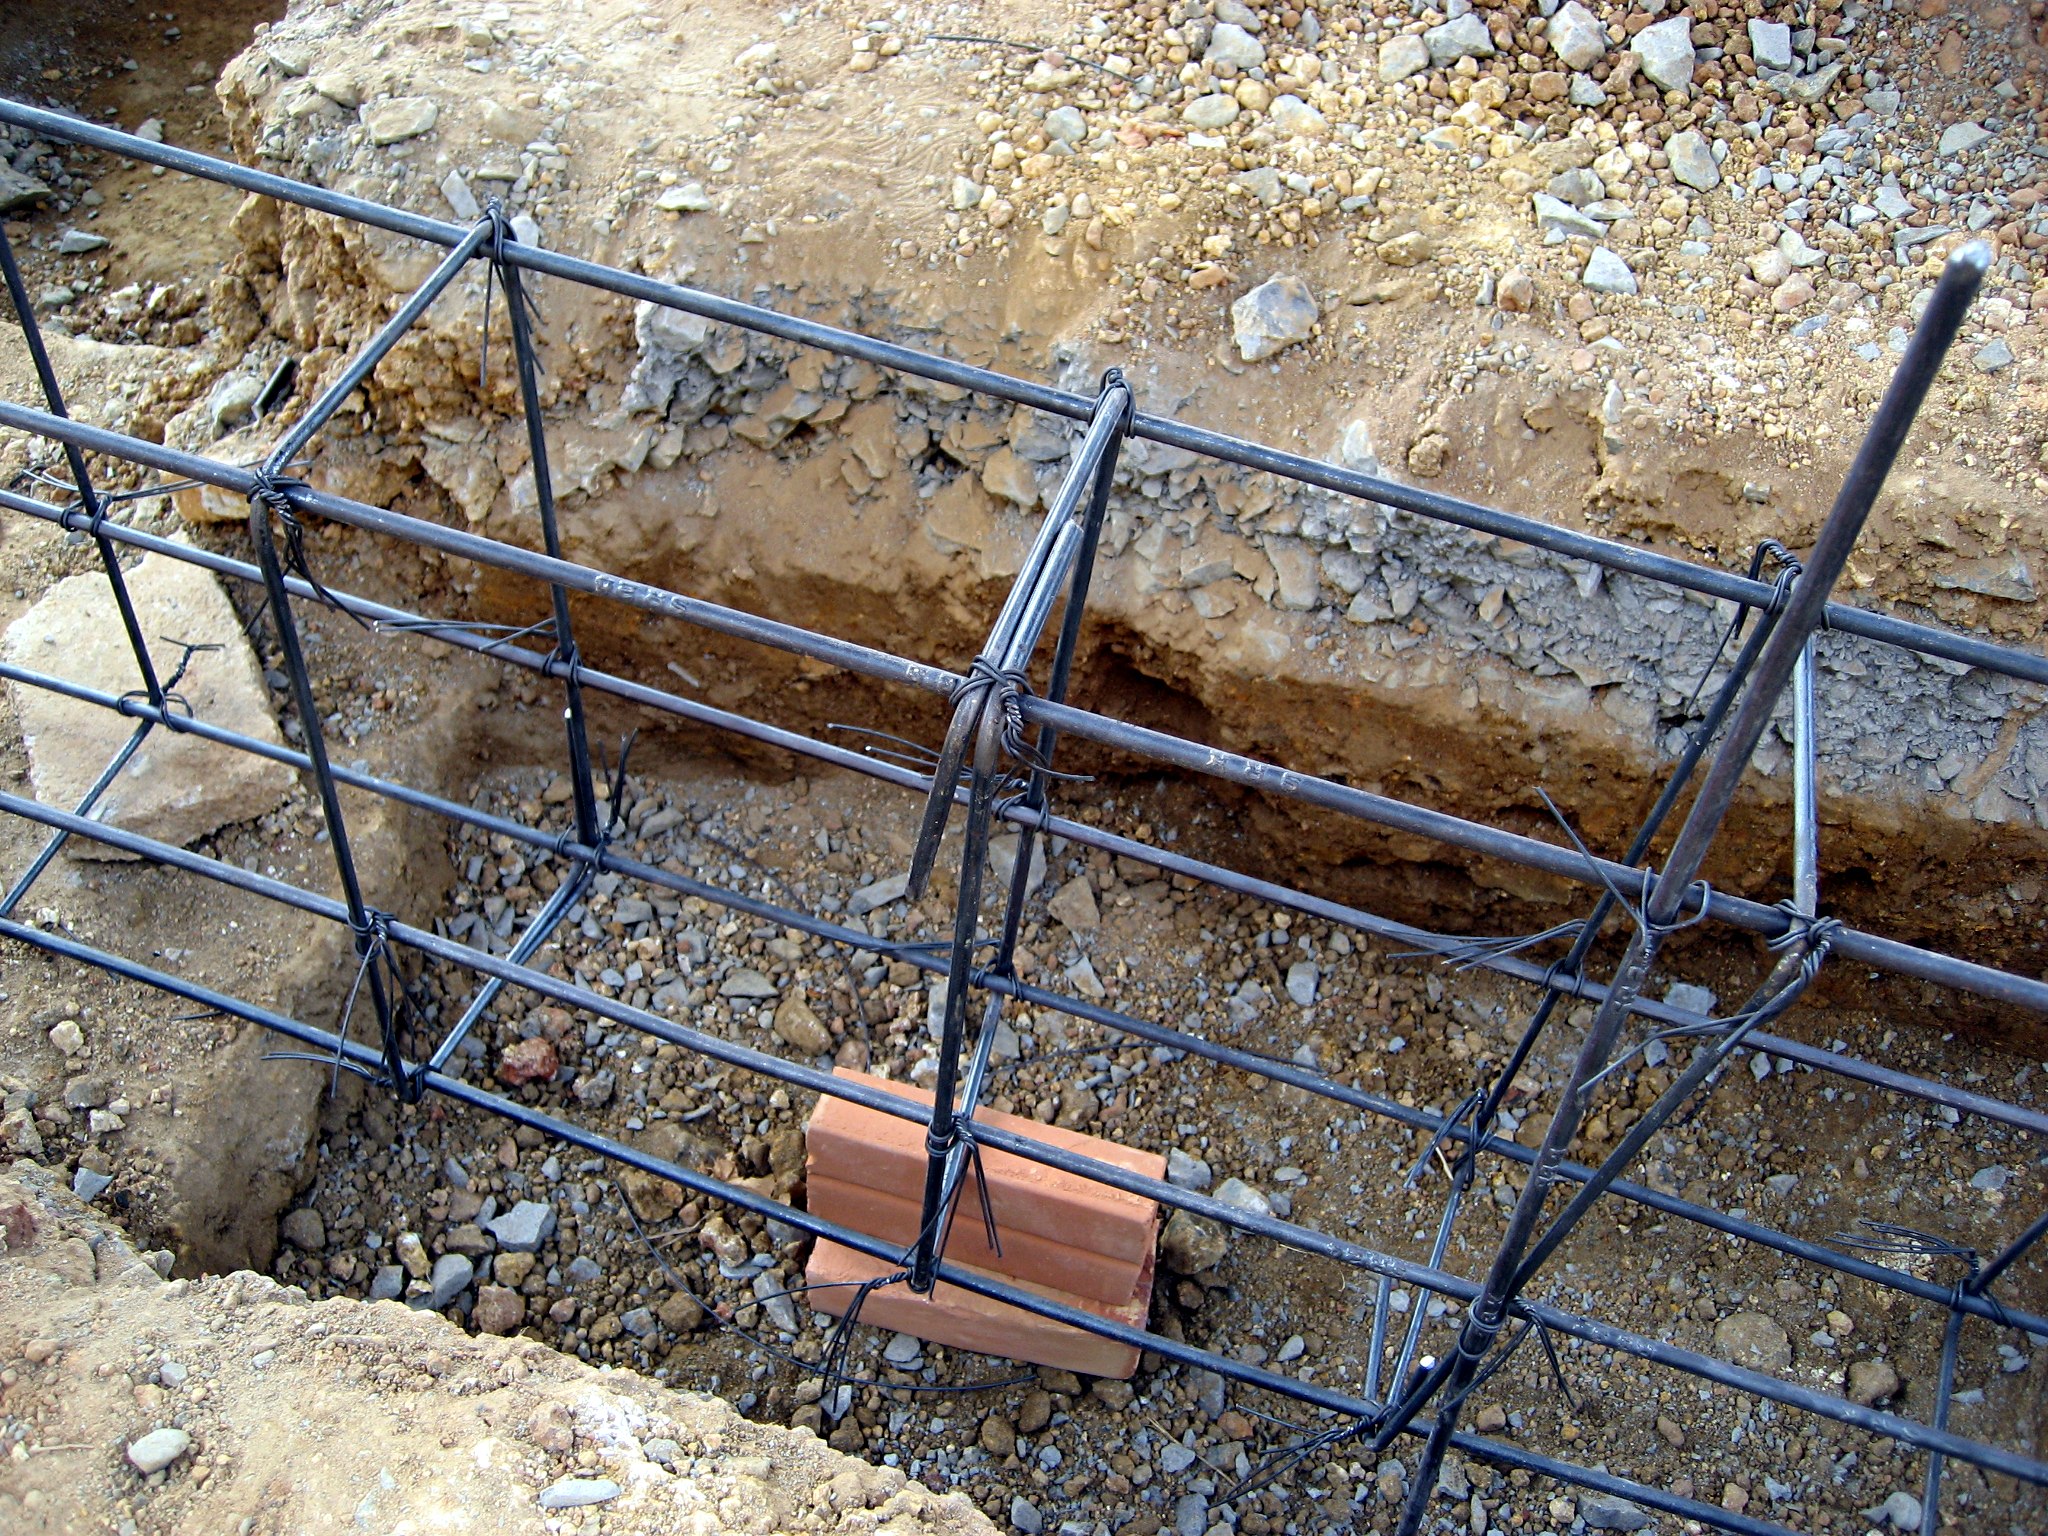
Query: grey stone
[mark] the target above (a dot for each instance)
(747, 983)
(1666, 53)
(177, 788)
(684, 197)
(1174, 1457)
(1002, 860)
(1301, 982)
(1295, 1347)
(1692, 161)
(639, 1322)
(1961, 138)
(1885, 103)
(1607, 273)
(871, 897)
(1296, 118)
(1231, 44)
(1553, 213)
(1609, 1512)
(1576, 37)
(1066, 124)
(451, 1277)
(1901, 1511)
(76, 242)
(1025, 1517)
(772, 1293)
(1684, 994)
(1892, 203)
(1585, 91)
(1770, 44)
(1579, 186)
(388, 1284)
(1466, 37)
(903, 1349)
(18, 190)
(1991, 1179)
(1209, 113)
(1401, 57)
(578, 1492)
(523, 1228)
(584, 1270)
(455, 192)
(595, 1089)
(1190, 1515)
(233, 402)
(398, 118)
(1272, 317)
(88, 1184)
(1994, 355)
(1186, 1171)
(158, 1449)
(1753, 1340)
(1074, 905)
(1235, 1192)
(1792, 245)
(340, 89)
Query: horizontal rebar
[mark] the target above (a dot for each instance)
(1529, 852)
(1291, 1074)
(1513, 967)
(1302, 1239)
(454, 1088)
(1565, 543)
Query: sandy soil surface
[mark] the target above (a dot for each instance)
(234, 1404)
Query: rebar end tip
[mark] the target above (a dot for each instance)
(1973, 259)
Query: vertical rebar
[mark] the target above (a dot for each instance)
(1667, 893)
(95, 510)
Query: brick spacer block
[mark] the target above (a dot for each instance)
(962, 1319)
(867, 1148)
(1025, 1256)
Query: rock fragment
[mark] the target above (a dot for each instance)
(1607, 273)
(1666, 53)
(1753, 1340)
(1576, 37)
(1692, 160)
(158, 1449)
(579, 1492)
(398, 118)
(1461, 38)
(1401, 57)
(1272, 317)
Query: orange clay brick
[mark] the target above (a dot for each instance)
(962, 1319)
(1025, 1256)
(853, 1145)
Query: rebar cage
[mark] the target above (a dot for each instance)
(1008, 712)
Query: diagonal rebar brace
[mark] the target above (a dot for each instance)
(1038, 765)
(1665, 898)
(388, 335)
(363, 924)
(53, 393)
(536, 934)
(566, 662)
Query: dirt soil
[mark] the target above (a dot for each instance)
(293, 1416)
